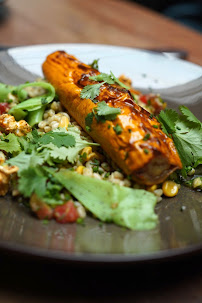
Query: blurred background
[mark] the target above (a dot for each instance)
(186, 12)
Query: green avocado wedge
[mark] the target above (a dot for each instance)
(131, 208)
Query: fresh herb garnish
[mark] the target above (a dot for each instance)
(146, 137)
(89, 121)
(35, 149)
(102, 112)
(118, 129)
(186, 132)
(32, 180)
(10, 143)
(107, 112)
(58, 138)
(94, 64)
(91, 91)
(146, 151)
(108, 78)
(103, 77)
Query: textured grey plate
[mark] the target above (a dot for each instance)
(179, 231)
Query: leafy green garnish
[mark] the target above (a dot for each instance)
(108, 78)
(10, 143)
(131, 208)
(94, 64)
(107, 112)
(102, 112)
(24, 160)
(146, 137)
(91, 91)
(57, 138)
(89, 121)
(186, 131)
(189, 115)
(51, 148)
(31, 181)
(103, 77)
(45, 186)
(118, 129)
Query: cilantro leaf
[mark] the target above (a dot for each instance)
(118, 129)
(118, 81)
(63, 153)
(102, 112)
(67, 153)
(89, 121)
(23, 160)
(35, 136)
(188, 114)
(186, 132)
(32, 180)
(10, 143)
(57, 138)
(103, 77)
(106, 111)
(108, 78)
(91, 91)
(189, 145)
(168, 118)
(94, 64)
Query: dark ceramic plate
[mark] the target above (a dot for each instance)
(179, 232)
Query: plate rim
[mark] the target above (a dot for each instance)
(166, 255)
(96, 258)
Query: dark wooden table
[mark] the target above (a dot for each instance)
(104, 22)
(108, 22)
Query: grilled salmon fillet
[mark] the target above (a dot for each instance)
(142, 150)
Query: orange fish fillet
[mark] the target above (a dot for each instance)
(141, 150)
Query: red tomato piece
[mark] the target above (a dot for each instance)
(143, 98)
(4, 106)
(44, 212)
(66, 213)
(40, 208)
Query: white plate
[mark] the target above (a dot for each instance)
(179, 233)
(178, 81)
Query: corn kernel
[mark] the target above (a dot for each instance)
(80, 169)
(197, 182)
(87, 151)
(170, 188)
(152, 188)
(64, 122)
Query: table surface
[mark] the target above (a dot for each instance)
(107, 22)
(103, 22)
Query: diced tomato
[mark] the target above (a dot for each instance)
(66, 213)
(40, 208)
(44, 212)
(4, 106)
(144, 99)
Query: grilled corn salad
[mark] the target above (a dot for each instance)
(51, 164)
